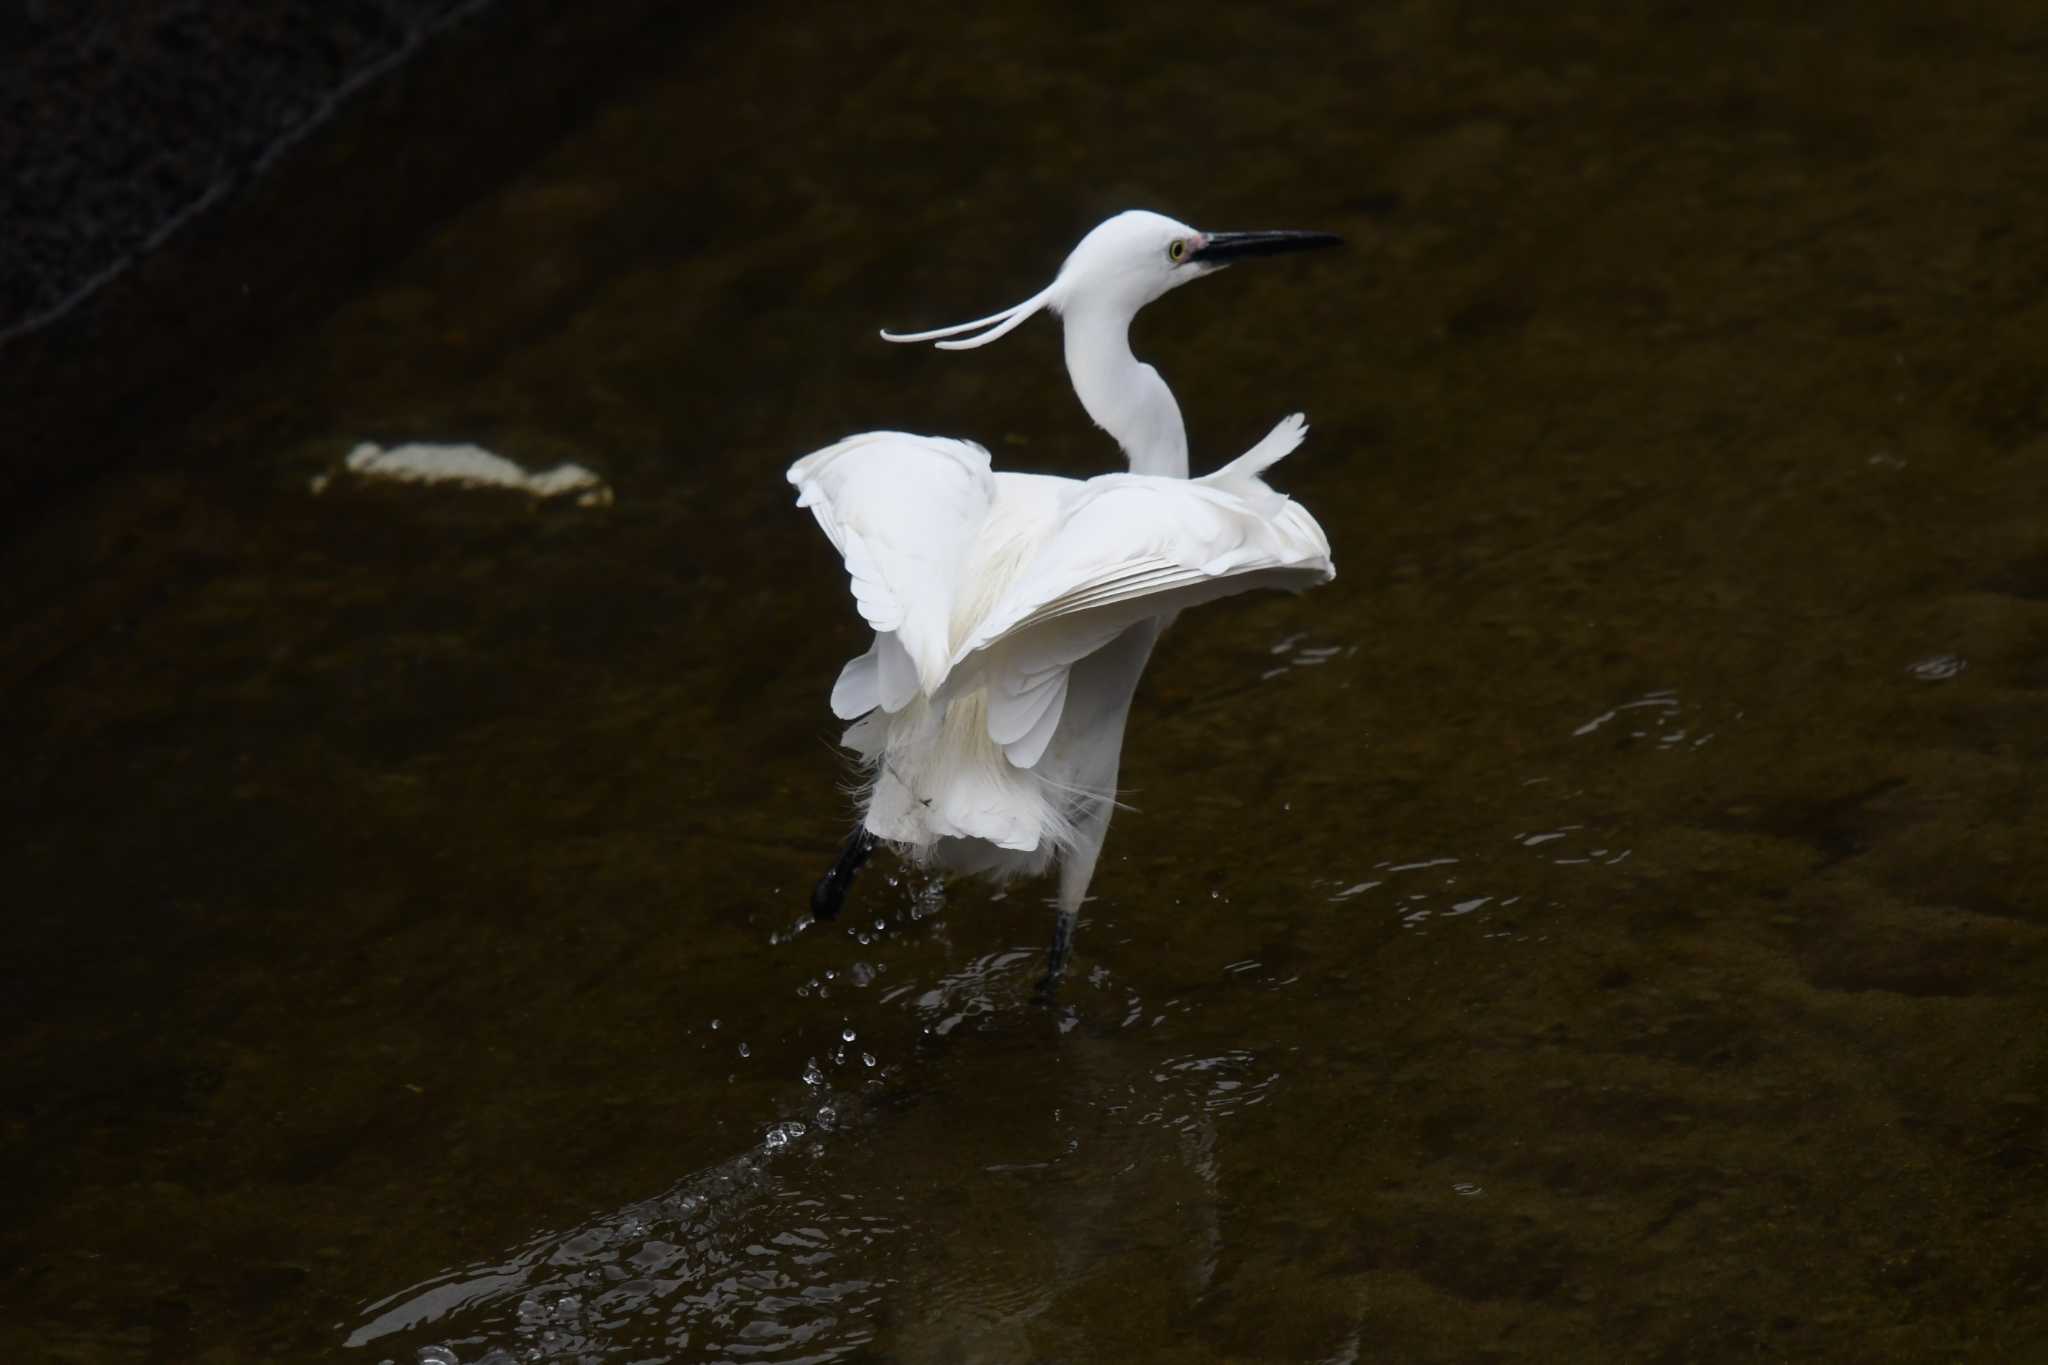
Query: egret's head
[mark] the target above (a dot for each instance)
(1127, 261)
(1123, 264)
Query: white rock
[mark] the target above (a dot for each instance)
(469, 466)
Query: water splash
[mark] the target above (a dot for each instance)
(724, 1264)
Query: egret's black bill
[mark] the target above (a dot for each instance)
(1222, 248)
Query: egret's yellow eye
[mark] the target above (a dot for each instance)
(1178, 251)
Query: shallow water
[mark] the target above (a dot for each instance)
(1607, 923)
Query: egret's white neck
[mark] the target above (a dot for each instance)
(1125, 396)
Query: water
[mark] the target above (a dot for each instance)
(1606, 923)
(838, 1228)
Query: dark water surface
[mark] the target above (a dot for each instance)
(1608, 923)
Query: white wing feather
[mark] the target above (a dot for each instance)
(1125, 548)
(904, 512)
(1002, 583)
(1154, 545)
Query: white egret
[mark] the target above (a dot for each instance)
(1014, 613)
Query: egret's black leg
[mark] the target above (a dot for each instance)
(1056, 957)
(828, 897)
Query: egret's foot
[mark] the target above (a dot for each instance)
(828, 897)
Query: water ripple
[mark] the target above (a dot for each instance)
(707, 1266)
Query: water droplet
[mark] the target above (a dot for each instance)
(1466, 1189)
(744, 1049)
(867, 1059)
(860, 974)
(438, 1355)
(714, 1023)
(812, 1075)
(782, 1134)
(827, 1116)
(846, 1035)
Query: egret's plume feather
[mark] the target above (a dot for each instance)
(1003, 323)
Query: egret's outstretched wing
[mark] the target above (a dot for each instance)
(902, 511)
(1128, 547)
(1135, 538)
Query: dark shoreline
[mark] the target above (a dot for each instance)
(398, 143)
(125, 122)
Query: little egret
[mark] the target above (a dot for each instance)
(1014, 613)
